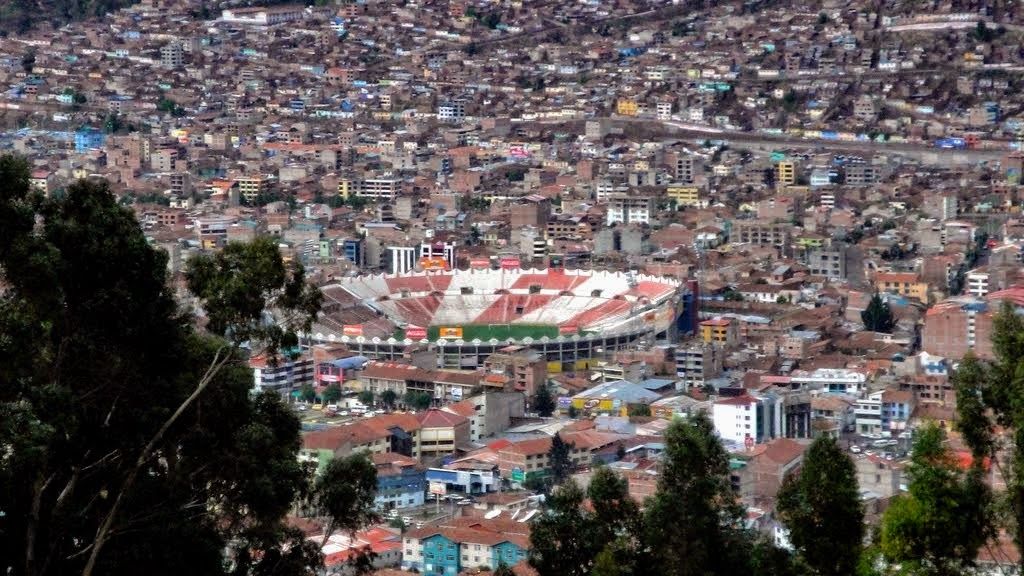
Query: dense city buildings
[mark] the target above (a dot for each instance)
(567, 222)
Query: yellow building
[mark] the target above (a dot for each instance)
(785, 173)
(626, 107)
(684, 195)
(723, 331)
(344, 188)
(250, 187)
(902, 283)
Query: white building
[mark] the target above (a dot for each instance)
(451, 112)
(868, 414)
(403, 259)
(629, 209)
(736, 418)
(835, 380)
(286, 376)
(977, 283)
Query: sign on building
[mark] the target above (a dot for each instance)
(438, 488)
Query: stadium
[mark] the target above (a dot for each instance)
(571, 316)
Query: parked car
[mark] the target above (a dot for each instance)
(855, 449)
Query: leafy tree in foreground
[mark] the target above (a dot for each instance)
(126, 437)
(559, 460)
(942, 521)
(345, 492)
(877, 317)
(693, 524)
(988, 398)
(560, 540)
(821, 509)
(542, 402)
(388, 398)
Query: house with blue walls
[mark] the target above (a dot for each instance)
(468, 542)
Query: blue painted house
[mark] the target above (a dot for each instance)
(401, 481)
(466, 543)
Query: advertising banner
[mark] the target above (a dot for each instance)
(452, 332)
(415, 332)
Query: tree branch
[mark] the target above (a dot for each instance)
(103, 532)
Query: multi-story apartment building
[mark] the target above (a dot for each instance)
(626, 209)
(401, 481)
(283, 377)
(760, 232)
(698, 362)
(828, 262)
(903, 283)
(523, 369)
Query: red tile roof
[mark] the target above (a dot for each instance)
(435, 418)
(742, 400)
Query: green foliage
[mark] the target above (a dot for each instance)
(503, 570)
(126, 436)
(242, 283)
(542, 402)
(367, 397)
(345, 493)
(388, 398)
(692, 525)
(560, 542)
(417, 400)
(18, 17)
(731, 295)
(877, 317)
(308, 394)
(638, 410)
(573, 412)
(558, 459)
(989, 395)
(942, 521)
(331, 394)
(821, 509)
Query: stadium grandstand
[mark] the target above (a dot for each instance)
(569, 315)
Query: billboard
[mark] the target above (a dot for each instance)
(433, 263)
(438, 488)
(480, 263)
(564, 402)
(453, 332)
(456, 393)
(415, 332)
(510, 262)
(567, 329)
(518, 151)
(352, 330)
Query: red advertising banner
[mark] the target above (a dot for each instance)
(415, 332)
(352, 330)
(508, 263)
(568, 329)
(479, 263)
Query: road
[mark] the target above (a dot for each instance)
(923, 152)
